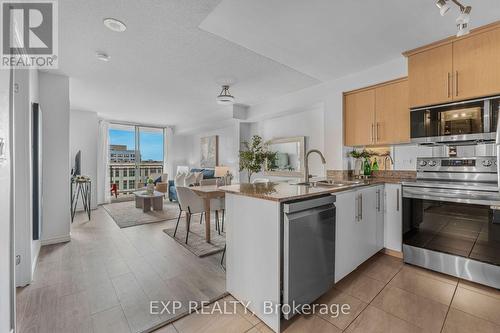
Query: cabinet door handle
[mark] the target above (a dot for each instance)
(377, 138)
(456, 83)
(378, 200)
(373, 130)
(356, 204)
(361, 206)
(449, 84)
(397, 200)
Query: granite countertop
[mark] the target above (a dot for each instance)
(282, 192)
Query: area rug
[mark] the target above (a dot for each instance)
(196, 240)
(126, 215)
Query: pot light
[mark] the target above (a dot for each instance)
(225, 98)
(114, 24)
(102, 56)
(443, 6)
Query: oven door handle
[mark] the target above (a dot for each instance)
(450, 195)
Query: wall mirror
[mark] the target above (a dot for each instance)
(289, 155)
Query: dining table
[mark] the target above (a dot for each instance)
(207, 192)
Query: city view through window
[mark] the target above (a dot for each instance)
(135, 154)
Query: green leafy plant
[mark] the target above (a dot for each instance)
(255, 156)
(361, 154)
(150, 180)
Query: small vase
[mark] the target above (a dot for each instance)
(150, 188)
(367, 170)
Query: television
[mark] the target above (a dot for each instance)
(77, 170)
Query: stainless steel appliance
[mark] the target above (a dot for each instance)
(451, 218)
(473, 120)
(308, 250)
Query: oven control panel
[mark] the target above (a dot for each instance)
(451, 164)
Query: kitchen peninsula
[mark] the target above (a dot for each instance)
(285, 242)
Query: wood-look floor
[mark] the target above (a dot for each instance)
(384, 295)
(104, 279)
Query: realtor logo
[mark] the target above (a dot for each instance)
(29, 34)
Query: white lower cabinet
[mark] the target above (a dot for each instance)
(393, 234)
(359, 227)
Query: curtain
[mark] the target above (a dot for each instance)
(168, 147)
(103, 187)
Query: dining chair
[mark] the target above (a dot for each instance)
(190, 203)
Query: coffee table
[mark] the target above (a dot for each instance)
(147, 201)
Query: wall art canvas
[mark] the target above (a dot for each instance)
(209, 151)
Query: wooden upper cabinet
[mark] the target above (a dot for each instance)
(476, 65)
(456, 69)
(430, 76)
(359, 113)
(392, 114)
(377, 115)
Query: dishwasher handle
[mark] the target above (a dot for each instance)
(299, 206)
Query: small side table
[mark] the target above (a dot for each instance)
(81, 186)
(145, 200)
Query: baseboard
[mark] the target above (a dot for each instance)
(392, 253)
(56, 240)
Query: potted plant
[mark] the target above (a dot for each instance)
(150, 185)
(255, 156)
(362, 164)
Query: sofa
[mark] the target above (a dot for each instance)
(172, 193)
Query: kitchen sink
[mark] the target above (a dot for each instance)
(338, 183)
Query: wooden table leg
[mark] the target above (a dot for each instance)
(206, 202)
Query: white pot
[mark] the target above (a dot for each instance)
(150, 188)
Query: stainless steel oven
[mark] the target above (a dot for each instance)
(451, 218)
(474, 120)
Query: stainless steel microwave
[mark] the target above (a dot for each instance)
(473, 120)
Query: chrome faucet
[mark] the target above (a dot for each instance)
(323, 160)
(385, 161)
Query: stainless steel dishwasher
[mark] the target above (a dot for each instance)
(308, 250)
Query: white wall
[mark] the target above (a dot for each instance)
(83, 136)
(330, 94)
(28, 249)
(187, 151)
(6, 270)
(54, 103)
(308, 122)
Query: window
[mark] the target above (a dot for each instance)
(117, 173)
(124, 184)
(125, 172)
(131, 172)
(132, 184)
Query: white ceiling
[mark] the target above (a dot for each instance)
(327, 39)
(163, 68)
(166, 67)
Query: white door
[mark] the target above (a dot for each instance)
(367, 228)
(393, 218)
(346, 233)
(380, 204)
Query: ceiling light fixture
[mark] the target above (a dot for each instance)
(443, 6)
(463, 19)
(225, 98)
(114, 24)
(102, 56)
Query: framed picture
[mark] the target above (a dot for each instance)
(209, 151)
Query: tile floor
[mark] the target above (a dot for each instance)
(103, 280)
(385, 295)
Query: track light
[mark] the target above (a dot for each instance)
(463, 29)
(443, 6)
(464, 16)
